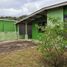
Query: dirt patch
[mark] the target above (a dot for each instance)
(15, 45)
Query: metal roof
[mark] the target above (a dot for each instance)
(53, 4)
(7, 20)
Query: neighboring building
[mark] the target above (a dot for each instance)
(27, 26)
(7, 29)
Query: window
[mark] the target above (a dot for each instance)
(29, 30)
(65, 21)
(41, 23)
(65, 17)
(41, 26)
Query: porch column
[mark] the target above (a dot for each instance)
(26, 35)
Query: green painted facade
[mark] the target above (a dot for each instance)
(55, 13)
(58, 13)
(7, 26)
(7, 30)
(35, 33)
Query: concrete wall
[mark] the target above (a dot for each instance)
(55, 13)
(7, 30)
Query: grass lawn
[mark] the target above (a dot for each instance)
(27, 57)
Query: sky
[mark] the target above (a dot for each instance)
(23, 7)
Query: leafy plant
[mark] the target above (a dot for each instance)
(52, 46)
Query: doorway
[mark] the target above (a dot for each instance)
(25, 30)
(29, 30)
(22, 30)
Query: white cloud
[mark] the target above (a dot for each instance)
(9, 12)
(22, 7)
(34, 6)
(11, 9)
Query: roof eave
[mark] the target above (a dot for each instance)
(43, 9)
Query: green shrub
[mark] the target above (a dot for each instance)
(52, 46)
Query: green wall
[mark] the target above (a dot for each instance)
(35, 33)
(7, 26)
(7, 30)
(55, 13)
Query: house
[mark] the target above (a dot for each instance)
(7, 29)
(27, 26)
